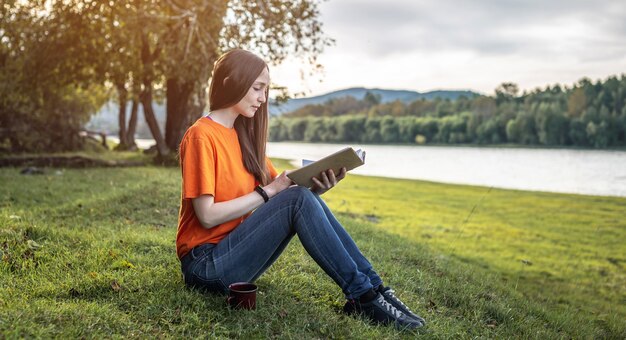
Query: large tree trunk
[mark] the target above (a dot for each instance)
(132, 125)
(148, 112)
(147, 59)
(122, 99)
(186, 102)
(177, 120)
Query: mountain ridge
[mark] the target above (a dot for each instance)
(359, 92)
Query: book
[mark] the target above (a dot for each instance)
(348, 158)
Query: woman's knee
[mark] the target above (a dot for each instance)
(300, 192)
(300, 196)
(299, 189)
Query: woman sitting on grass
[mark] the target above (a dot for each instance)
(227, 176)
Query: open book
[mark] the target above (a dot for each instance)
(348, 158)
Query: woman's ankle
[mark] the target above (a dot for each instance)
(368, 296)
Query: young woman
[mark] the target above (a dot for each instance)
(238, 214)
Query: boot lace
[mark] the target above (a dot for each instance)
(391, 294)
(390, 308)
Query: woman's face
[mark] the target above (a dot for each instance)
(255, 97)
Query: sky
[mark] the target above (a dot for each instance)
(425, 45)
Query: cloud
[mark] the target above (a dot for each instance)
(423, 45)
(487, 27)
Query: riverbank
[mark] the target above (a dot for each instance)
(473, 145)
(573, 170)
(90, 253)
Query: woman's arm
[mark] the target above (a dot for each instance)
(211, 214)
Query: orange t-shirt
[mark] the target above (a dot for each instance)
(211, 164)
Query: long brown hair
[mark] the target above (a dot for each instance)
(233, 75)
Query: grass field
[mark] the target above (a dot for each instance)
(90, 253)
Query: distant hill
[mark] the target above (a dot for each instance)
(106, 119)
(359, 93)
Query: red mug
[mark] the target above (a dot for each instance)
(242, 295)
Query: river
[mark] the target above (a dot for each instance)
(589, 172)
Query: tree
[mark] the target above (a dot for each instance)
(274, 29)
(407, 129)
(576, 103)
(372, 131)
(278, 130)
(444, 108)
(427, 127)
(46, 96)
(297, 128)
(578, 132)
(513, 131)
(389, 130)
(489, 132)
(372, 99)
(552, 125)
(141, 48)
(483, 109)
(506, 92)
(596, 134)
(527, 128)
(421, 107)
(621, 137)
(458, 126)
(315, 130)
(351, 128)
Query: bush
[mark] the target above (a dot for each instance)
(420, 139)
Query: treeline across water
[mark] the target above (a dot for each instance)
(588, 114)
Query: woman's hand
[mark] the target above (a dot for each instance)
(280, 183)
(328, 181)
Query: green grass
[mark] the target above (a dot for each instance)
(566, 249)
(90, 253)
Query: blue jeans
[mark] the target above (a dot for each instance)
(256, 243)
